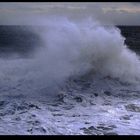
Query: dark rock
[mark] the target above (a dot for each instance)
(132, 107)
(78, 99)
(107, 93)
(2, 103)
(34, 106)
(96, 94)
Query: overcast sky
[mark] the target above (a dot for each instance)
(122, 13)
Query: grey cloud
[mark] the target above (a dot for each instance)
(14, 13)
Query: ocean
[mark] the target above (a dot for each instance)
(69, 77)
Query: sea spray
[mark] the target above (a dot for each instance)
(75, 48)
(71, 48)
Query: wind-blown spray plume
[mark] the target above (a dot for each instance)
(72, 49)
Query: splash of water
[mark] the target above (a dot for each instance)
(74, 48)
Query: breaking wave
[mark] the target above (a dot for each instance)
(72, 48)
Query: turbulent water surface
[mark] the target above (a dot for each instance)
(68, 77)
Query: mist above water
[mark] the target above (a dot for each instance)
(72, 48)
(75, 48)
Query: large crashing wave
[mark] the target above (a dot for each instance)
(73, 48)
